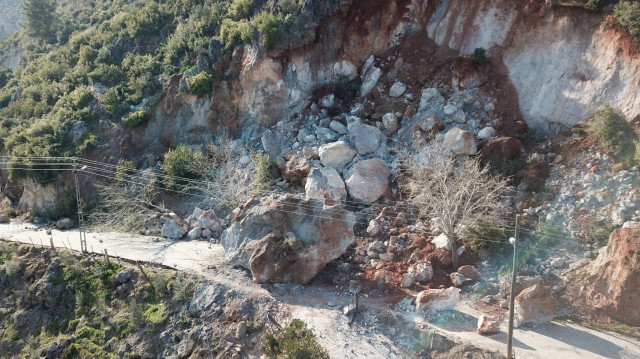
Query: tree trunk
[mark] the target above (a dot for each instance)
(454, 254)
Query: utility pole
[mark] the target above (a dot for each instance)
(513, 288)
(83, 240)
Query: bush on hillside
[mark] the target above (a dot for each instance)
(628, 14)
(479, 56)
(136, 118)
(200, 84)
(268, 27)
(599, 4)
(614, 132)
(485, 233)
(185, 164)
(241, 9)
(296, 341)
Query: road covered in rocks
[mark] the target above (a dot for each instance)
(372, 335)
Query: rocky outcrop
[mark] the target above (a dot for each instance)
(538, 68)
(368, 181)
(287, 238)
(534, 305)
(613, 286)
(37, 197)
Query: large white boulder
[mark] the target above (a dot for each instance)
(433, 300)
(369, 180)
(336, 154)
(172, 230)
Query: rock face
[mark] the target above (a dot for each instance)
(433, 300)
(287, 238)
(336, 154)
(460, 142)
(369, 180)
(325, 184)
(613, 286)
(534, 305)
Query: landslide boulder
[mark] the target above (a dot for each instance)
(534, 305)
(286, 238)
(613, 284)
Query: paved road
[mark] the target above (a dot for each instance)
(555, 340)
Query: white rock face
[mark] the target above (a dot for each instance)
(336, 155)
(369, 180)
(556, 88)
(397, 89)
(433, 300)
(325, 184)
(460, 142)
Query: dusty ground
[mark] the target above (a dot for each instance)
(380, 330)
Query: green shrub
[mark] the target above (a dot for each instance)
(479, 56)
(5, 75)
(268, 27)
(241, 9)
(200, 84)
(108, 75)
(156, 314)
(614, 132)
(296, 341)
(185, 163)
(484, 234)
(235, 33)
(599, 4)
(266, 170)
(136, 118)
(628, 14)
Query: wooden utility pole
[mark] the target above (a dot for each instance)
(513, 289)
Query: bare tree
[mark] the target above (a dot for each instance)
(453, 191)
(126, 202)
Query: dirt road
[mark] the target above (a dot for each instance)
(321, 307)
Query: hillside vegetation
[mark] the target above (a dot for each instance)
(91, 60)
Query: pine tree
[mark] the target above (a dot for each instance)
(40, 18)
